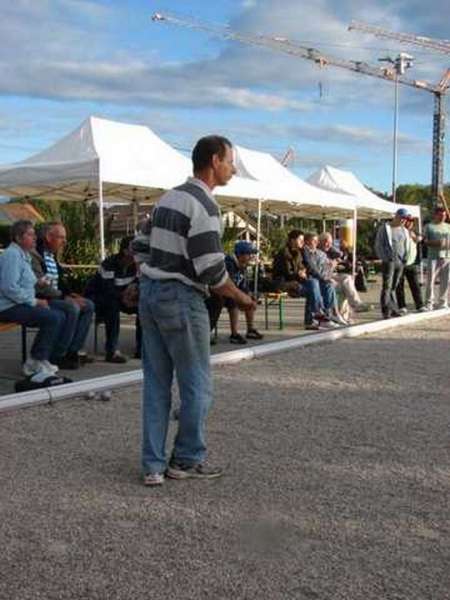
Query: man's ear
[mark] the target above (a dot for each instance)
(215, 160)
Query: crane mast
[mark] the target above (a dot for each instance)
(439, 112)
(387, 73)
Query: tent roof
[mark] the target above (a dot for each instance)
(310, 201)
(133, 163)
(338, 180)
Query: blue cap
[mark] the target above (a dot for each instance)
(402, 213)
(243, 247)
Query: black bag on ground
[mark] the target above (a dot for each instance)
(26, 384)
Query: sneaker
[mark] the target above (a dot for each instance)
(237, 338)
(200, 471)
(339, 319)
(314, 326)
(116, 357)
(328, 325)
(403, 311)
(85, 359)
(70, 361)
(423, 309)
(153, 479)
(253, 334)
(30, 366)
(42, 373)
(49, 366)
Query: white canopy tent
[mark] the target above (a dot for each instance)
(367, 203)
(107, 161)
(312, 202)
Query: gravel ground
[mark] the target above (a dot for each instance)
(337, 486)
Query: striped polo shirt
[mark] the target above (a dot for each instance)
(51, 269)
(185, 239)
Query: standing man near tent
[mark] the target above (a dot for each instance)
(437, 240)
(185, 259)
(392, 244)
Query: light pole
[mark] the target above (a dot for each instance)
(401, 63)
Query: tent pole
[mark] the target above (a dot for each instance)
(324, 224)
(419, 226)
(258, 241)
(135, 212)
(101, 215)
(355, 234)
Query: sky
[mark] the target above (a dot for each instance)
(64, 60)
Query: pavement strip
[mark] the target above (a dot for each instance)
(107, 383)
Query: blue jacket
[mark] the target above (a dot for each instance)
(17, 279)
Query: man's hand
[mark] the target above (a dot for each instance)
(302, 274)
(42, 303)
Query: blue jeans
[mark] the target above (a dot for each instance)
(175, 338)
(310, 289)
(78, 321)
(392, 273)
(51, 324)
(329, 297)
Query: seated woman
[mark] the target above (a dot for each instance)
(344, 281)
(18, 302)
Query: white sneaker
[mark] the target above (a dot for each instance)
(49, 366)
(327, 325)
(339, 319)
(403, 311)
(30, 367)
(41, 375)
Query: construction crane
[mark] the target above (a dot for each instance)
(441, 46)
(387, 73)
(439, 118)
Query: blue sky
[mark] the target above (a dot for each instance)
(63, 60)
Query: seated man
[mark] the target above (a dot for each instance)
(344, 281)
(53, 288)
(114, 289)
(236, 265)
(321, 268)
(289, 275)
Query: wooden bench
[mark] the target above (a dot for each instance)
(276, 299)
(9, 327)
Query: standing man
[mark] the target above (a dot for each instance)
(437, 240)
(392, 247)
(185, 259)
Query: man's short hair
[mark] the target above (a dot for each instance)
(309, 235)
(205, 149)
(125, 243)
(294, 234)
(326, 235)
(19, 229)
(46, 227)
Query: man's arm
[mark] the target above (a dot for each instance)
(229, 290)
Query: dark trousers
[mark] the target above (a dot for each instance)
(110, 315)
(214, 305)
(391, 272)
(410, 273)
(50, 321)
